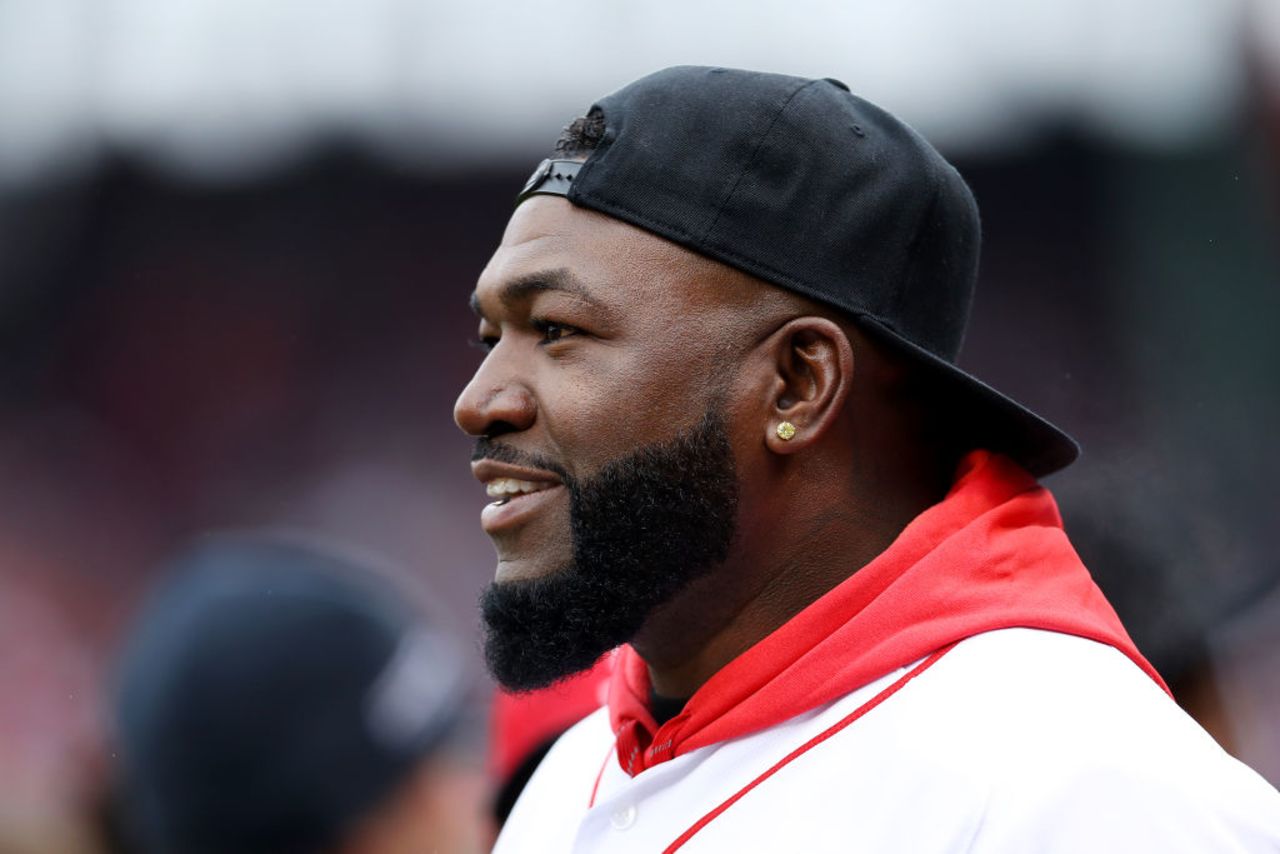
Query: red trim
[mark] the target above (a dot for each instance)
(813, 742)
(600, 776)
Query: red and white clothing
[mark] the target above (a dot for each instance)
(968, 690)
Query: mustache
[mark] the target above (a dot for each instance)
(487, 449)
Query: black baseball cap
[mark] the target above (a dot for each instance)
(802, 184)
(269, 695)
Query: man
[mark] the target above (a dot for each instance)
(274, 699)
(722, 425)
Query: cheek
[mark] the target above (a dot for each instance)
(595, 412)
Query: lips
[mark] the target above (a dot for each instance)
(519, 493)
(504, 488)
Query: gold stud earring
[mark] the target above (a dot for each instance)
(786, 430)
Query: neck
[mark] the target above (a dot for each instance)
(777, 567)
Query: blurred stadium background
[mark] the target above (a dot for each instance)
(236, 241)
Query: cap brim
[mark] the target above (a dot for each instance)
(986, 417)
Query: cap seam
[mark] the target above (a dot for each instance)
(751, 159)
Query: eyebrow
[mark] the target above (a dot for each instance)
(524, 287)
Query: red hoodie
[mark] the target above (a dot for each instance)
(991, 555)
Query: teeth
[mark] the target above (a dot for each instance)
(503, 487)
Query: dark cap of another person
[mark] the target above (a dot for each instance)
(804, 185)
(269, 695)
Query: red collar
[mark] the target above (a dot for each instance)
(990, 555)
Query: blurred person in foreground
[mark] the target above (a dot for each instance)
(277, 699)
(722, 424)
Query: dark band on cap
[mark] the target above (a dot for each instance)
(551, 178)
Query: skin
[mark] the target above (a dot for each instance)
(605, 337)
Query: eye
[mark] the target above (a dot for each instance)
(551, 331)
(485, 343)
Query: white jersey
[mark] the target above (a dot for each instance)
(1014, 741)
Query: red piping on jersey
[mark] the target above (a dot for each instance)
(595, 789)
(813, 742)
(991, 555)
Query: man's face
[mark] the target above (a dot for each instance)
(603, 437)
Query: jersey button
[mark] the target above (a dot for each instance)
(623, 818)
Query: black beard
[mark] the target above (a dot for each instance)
(642, 529)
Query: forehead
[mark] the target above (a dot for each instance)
(611, 262)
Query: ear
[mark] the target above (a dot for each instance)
(812, 364)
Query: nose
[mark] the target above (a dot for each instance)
(494, 402)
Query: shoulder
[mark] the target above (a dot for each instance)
(1025, 694)
(1072, 742)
